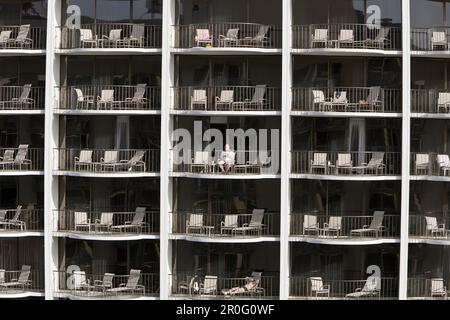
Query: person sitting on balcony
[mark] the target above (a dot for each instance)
(226, 159)
(250, 284)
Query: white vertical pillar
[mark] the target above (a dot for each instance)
(285, 199)
(167, 80)
(51, 142)
(406, 134)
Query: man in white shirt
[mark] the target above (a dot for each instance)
(226, 159)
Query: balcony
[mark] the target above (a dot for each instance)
(26, 99)
(112, 36)
(433, 101)
(108, 99)
(346, 163)
(385, 288)
(228, 36)
(430, 165)
(107, 223)
(80, 285)
(255, 286)
(224, 227)
(13, 160)
(18, 221)
(429, 226)
(346, 36)
(244, 163)
(107, 162)
(351, 227)
(27, 282)
(22, 37)
(360, 100)
(227, 99)
(427, 288)
(430, 39)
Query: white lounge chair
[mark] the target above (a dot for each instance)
(375, 164)
(22, 40)
(443, 161)
(230, 222)
(319, 162)
(319, 101)
(310, 225)
(318, 289)
(260, 40)
(257, 101)
(137, 36)
(81, 221)
(209, 285)
(434, 229)
(5, 36)
(439, 40)
(131, 286)
(230, 39)
(21, 102)
(251, 287)
(344, 163)
(319, 37)
(371, 289)
(194, 224)
(105, 222)
(443, 104)
(380, 40)
(438, 288)
(203, 37)
(225, 100)
(87, 39)
(110, 158)
(80, 282)
(423, 164)
(105, 100)
(199, 100)
(114, 38)
(372, 102)
(375, 227)
(14, 222)
(137, 101)
(137, 224)
(20, 161)
(84, 161)
(333, 227)
(200, 162)
(255, 225)
(106, 283)
(346, 38)
(83, 101)
(7, 159)
(22, 282)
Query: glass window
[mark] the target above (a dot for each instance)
(9, 12)
(113, 11)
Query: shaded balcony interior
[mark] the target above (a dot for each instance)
(353, 146)
(110, 83)
(22, 83)
(430, 147)
(357, 24)
(428, 271)
(429, 210)
(248, 158)
(430, 86)
(353, 211)
(108, 207)
(344, 272)
(26, 192)
(346, 84)
(109, 144)
(225, 209)
(114, 24)
(234, 23)
(17, 253)
(225, 270)
(21, 143)
(251, 83)
(96, 259)
(430, 32)
(28, 17)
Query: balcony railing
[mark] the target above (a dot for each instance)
(245, 163)
(340, 99)
(92, 285)
(28, 220)
(21, 159)
(30, 38)
(346, 35)
(117, 161)
(22, 98)
(430, 164)
(303, 287)
(430, 225)
(107, 222)
(346, 163)
(34, 283)
(219, 287)
(430, 39)
(228, 35)
(427, 288)
(112, 35)
(223, 226)
(355, 226)
(227, 98)
(430, 101)
(109, 98)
